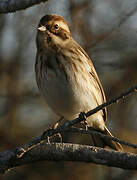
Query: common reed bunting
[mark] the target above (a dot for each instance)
(67, 78)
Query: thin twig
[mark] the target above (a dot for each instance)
(91, 112)
(83, 131)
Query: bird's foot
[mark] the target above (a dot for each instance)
(83, 117)
(49, 134)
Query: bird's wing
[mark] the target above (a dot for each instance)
(100, 99)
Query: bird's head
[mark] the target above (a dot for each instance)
(53, 32)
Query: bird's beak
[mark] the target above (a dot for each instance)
(42, 28)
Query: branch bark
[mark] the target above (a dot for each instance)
(68, 152)
(7, 6)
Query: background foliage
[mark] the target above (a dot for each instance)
(107, 30)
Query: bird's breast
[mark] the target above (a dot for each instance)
(67, 89)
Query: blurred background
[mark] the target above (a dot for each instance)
(107, 30)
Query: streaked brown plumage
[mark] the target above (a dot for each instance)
(67, 78)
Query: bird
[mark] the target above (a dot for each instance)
(67, 79)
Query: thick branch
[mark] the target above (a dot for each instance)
(68, 152)
(7, 6)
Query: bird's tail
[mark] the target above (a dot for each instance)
(102, 142)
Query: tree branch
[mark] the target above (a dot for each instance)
(7, 6)
(103, 136)
(38, 150)
(68, 152)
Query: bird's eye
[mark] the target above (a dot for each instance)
(56, 26)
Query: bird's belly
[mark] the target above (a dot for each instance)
(68, 103)
(66, 98)
(62, 98)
